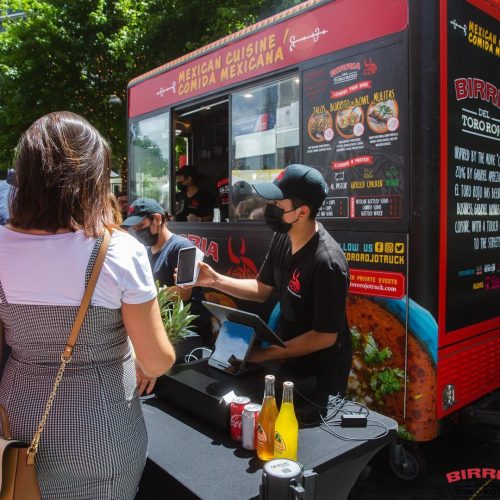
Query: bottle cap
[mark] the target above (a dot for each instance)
(270, 378)
(287, 384)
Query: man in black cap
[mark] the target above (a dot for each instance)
(147, 221)
(193, 204)
(307, 268)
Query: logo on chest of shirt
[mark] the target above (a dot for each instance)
(194, 203)
(294, 284)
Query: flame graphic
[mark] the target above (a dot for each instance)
(243, 267)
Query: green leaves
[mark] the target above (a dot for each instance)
(372, 354)
(74, 55)
(175, 315)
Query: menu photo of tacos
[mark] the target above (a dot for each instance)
(382, 116)
(349, 122)
(320, 126)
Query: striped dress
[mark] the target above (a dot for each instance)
(94, 443)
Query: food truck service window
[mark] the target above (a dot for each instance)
(265, 138)
(150, 159)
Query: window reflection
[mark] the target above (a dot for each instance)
(150, 159)
(265, 138)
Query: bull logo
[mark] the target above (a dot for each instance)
(242, 266)
(370, 67)
(294, 284)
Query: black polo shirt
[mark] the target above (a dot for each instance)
(312, 286)
(200, 204)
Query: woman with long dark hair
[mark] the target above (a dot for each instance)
(94, 442)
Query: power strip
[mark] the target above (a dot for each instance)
(353, 420)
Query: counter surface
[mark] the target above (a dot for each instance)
(212, 466)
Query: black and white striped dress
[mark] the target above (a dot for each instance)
(94, 443)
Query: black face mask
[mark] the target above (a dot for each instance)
(273, 216)
(146, 237)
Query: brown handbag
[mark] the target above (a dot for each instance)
(18, 479)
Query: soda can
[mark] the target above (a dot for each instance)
(235, 411)
(249, 421)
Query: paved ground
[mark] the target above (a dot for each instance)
(452, 451)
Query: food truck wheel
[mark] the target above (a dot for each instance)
(406, 462)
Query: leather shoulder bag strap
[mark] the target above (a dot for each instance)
(70, 343)
(96, 270)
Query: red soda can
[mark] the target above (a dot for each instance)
(236, 409)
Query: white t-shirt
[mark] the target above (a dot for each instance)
(50, 269)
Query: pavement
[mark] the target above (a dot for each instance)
(454, 450)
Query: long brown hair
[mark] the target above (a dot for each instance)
(62, 176)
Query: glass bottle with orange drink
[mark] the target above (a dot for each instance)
(267, 418)
(286, 428)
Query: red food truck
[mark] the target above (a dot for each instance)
(397, 103)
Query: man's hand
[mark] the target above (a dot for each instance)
(144, 384)
(206, 276)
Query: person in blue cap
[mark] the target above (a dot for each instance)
(306, 267)
(5, 190)
(147, 221)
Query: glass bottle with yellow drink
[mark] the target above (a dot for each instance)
(286, 428)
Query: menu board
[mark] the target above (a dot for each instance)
(355, 127)
(473, 201)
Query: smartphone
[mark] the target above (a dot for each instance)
(187, 265)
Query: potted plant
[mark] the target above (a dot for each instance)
(177, 321)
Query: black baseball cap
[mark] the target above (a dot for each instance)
(140, 209)
(295, 181)
(187, 171)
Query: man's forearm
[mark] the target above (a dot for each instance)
(246, 289)
(306, 343)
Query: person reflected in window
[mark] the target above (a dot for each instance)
(247, 205)
(122, 199)
(193, 204)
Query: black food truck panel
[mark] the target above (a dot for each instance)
(473, 167)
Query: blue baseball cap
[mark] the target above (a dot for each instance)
(140, 209)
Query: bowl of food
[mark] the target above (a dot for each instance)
(392, 371)
(347, 119)
(381, 113)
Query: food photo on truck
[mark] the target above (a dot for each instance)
(397, 104)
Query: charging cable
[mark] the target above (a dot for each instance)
(350, 412)
(188, 358)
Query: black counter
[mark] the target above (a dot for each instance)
(192, 459)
